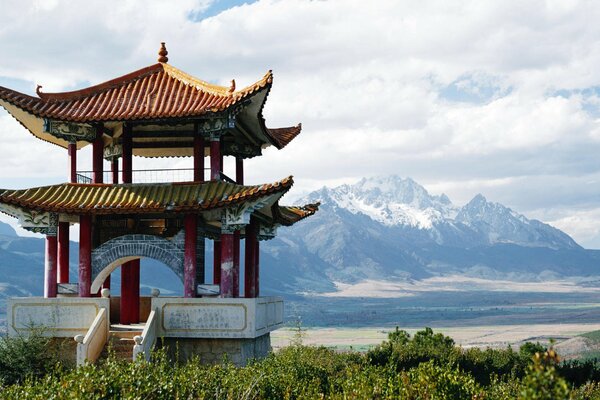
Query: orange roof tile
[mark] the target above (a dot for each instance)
(72, 198)
(157, 91)
(282, 136)
(289, 215)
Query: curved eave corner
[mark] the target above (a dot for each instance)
(289, 215)
(33, 123)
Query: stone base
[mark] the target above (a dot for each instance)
(214, 351)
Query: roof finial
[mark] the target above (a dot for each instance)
(38, 90)
(232, 87)
(162, 53)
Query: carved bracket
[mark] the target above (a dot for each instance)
(242, 151)
(113, 152)
(267, 232)
(237, 217)
(70, 131)
(33, 221)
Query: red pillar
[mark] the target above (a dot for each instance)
(135, 289)
(127, 154)
(114, 169)
(50, 266)
(216, 160)
(239, 171)
(72, 149)
(239, 179)
(226, 265)
(257, 270)
(236, 264)
(217, 262)
(63, 252)
(189, 256)
(130, 293)
(85, 255)
(126, 294)
(97, 157)
(198, 158)
(249, 261)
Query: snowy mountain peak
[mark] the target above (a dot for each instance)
(390, 200)
(401, 202)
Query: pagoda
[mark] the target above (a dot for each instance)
(126, 214)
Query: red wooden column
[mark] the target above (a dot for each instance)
(216, 160)
(226, 264)
(135, 291)
(217, 262)
(126, 301)
(114, 169)
(130, 270)
(250, 260)
(50, 263)
(198, 155)
(127, 144)
(239, 179)
(85, 255)
(257, 269)
(236, 264)
(98, 156)
(189, 255)
(63, 252)
(72, 149)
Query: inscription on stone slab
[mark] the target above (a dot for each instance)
(210, 317)
(63, 317)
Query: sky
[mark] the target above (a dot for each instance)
(500, 97)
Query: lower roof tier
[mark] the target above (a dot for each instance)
(220, 203)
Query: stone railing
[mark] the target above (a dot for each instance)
(145, 343)
(217, 317)
(60, 317)
(91, 345)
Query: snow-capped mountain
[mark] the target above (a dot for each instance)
(391, 228)
(392, 201)
(404, 204)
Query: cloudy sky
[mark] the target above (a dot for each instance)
(494, 97)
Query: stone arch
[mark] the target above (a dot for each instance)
(107, 257)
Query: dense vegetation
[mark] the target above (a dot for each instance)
(425, 366)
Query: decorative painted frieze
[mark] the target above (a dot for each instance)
(70, 131)
(267, 232)
(34, 221)
(113, 151)
(242, 151)
(237, 217)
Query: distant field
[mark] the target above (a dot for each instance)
(497, 336)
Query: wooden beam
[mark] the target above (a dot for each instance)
(163, 145)
(165, 134)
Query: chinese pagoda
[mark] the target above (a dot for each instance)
(157, 111)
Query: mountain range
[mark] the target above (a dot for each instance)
(385, 229)
(392, 229)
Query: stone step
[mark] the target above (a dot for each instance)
(124, 334)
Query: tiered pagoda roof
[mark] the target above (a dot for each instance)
(159, 94)
(73, 198)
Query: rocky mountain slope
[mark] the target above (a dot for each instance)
(390, 228)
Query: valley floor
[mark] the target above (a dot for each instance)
(497, 336)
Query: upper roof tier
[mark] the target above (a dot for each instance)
(158, 97)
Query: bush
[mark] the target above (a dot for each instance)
(24, 357)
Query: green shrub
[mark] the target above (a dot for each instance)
(24, 357)
(542, 382)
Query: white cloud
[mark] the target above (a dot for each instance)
(457, 95)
